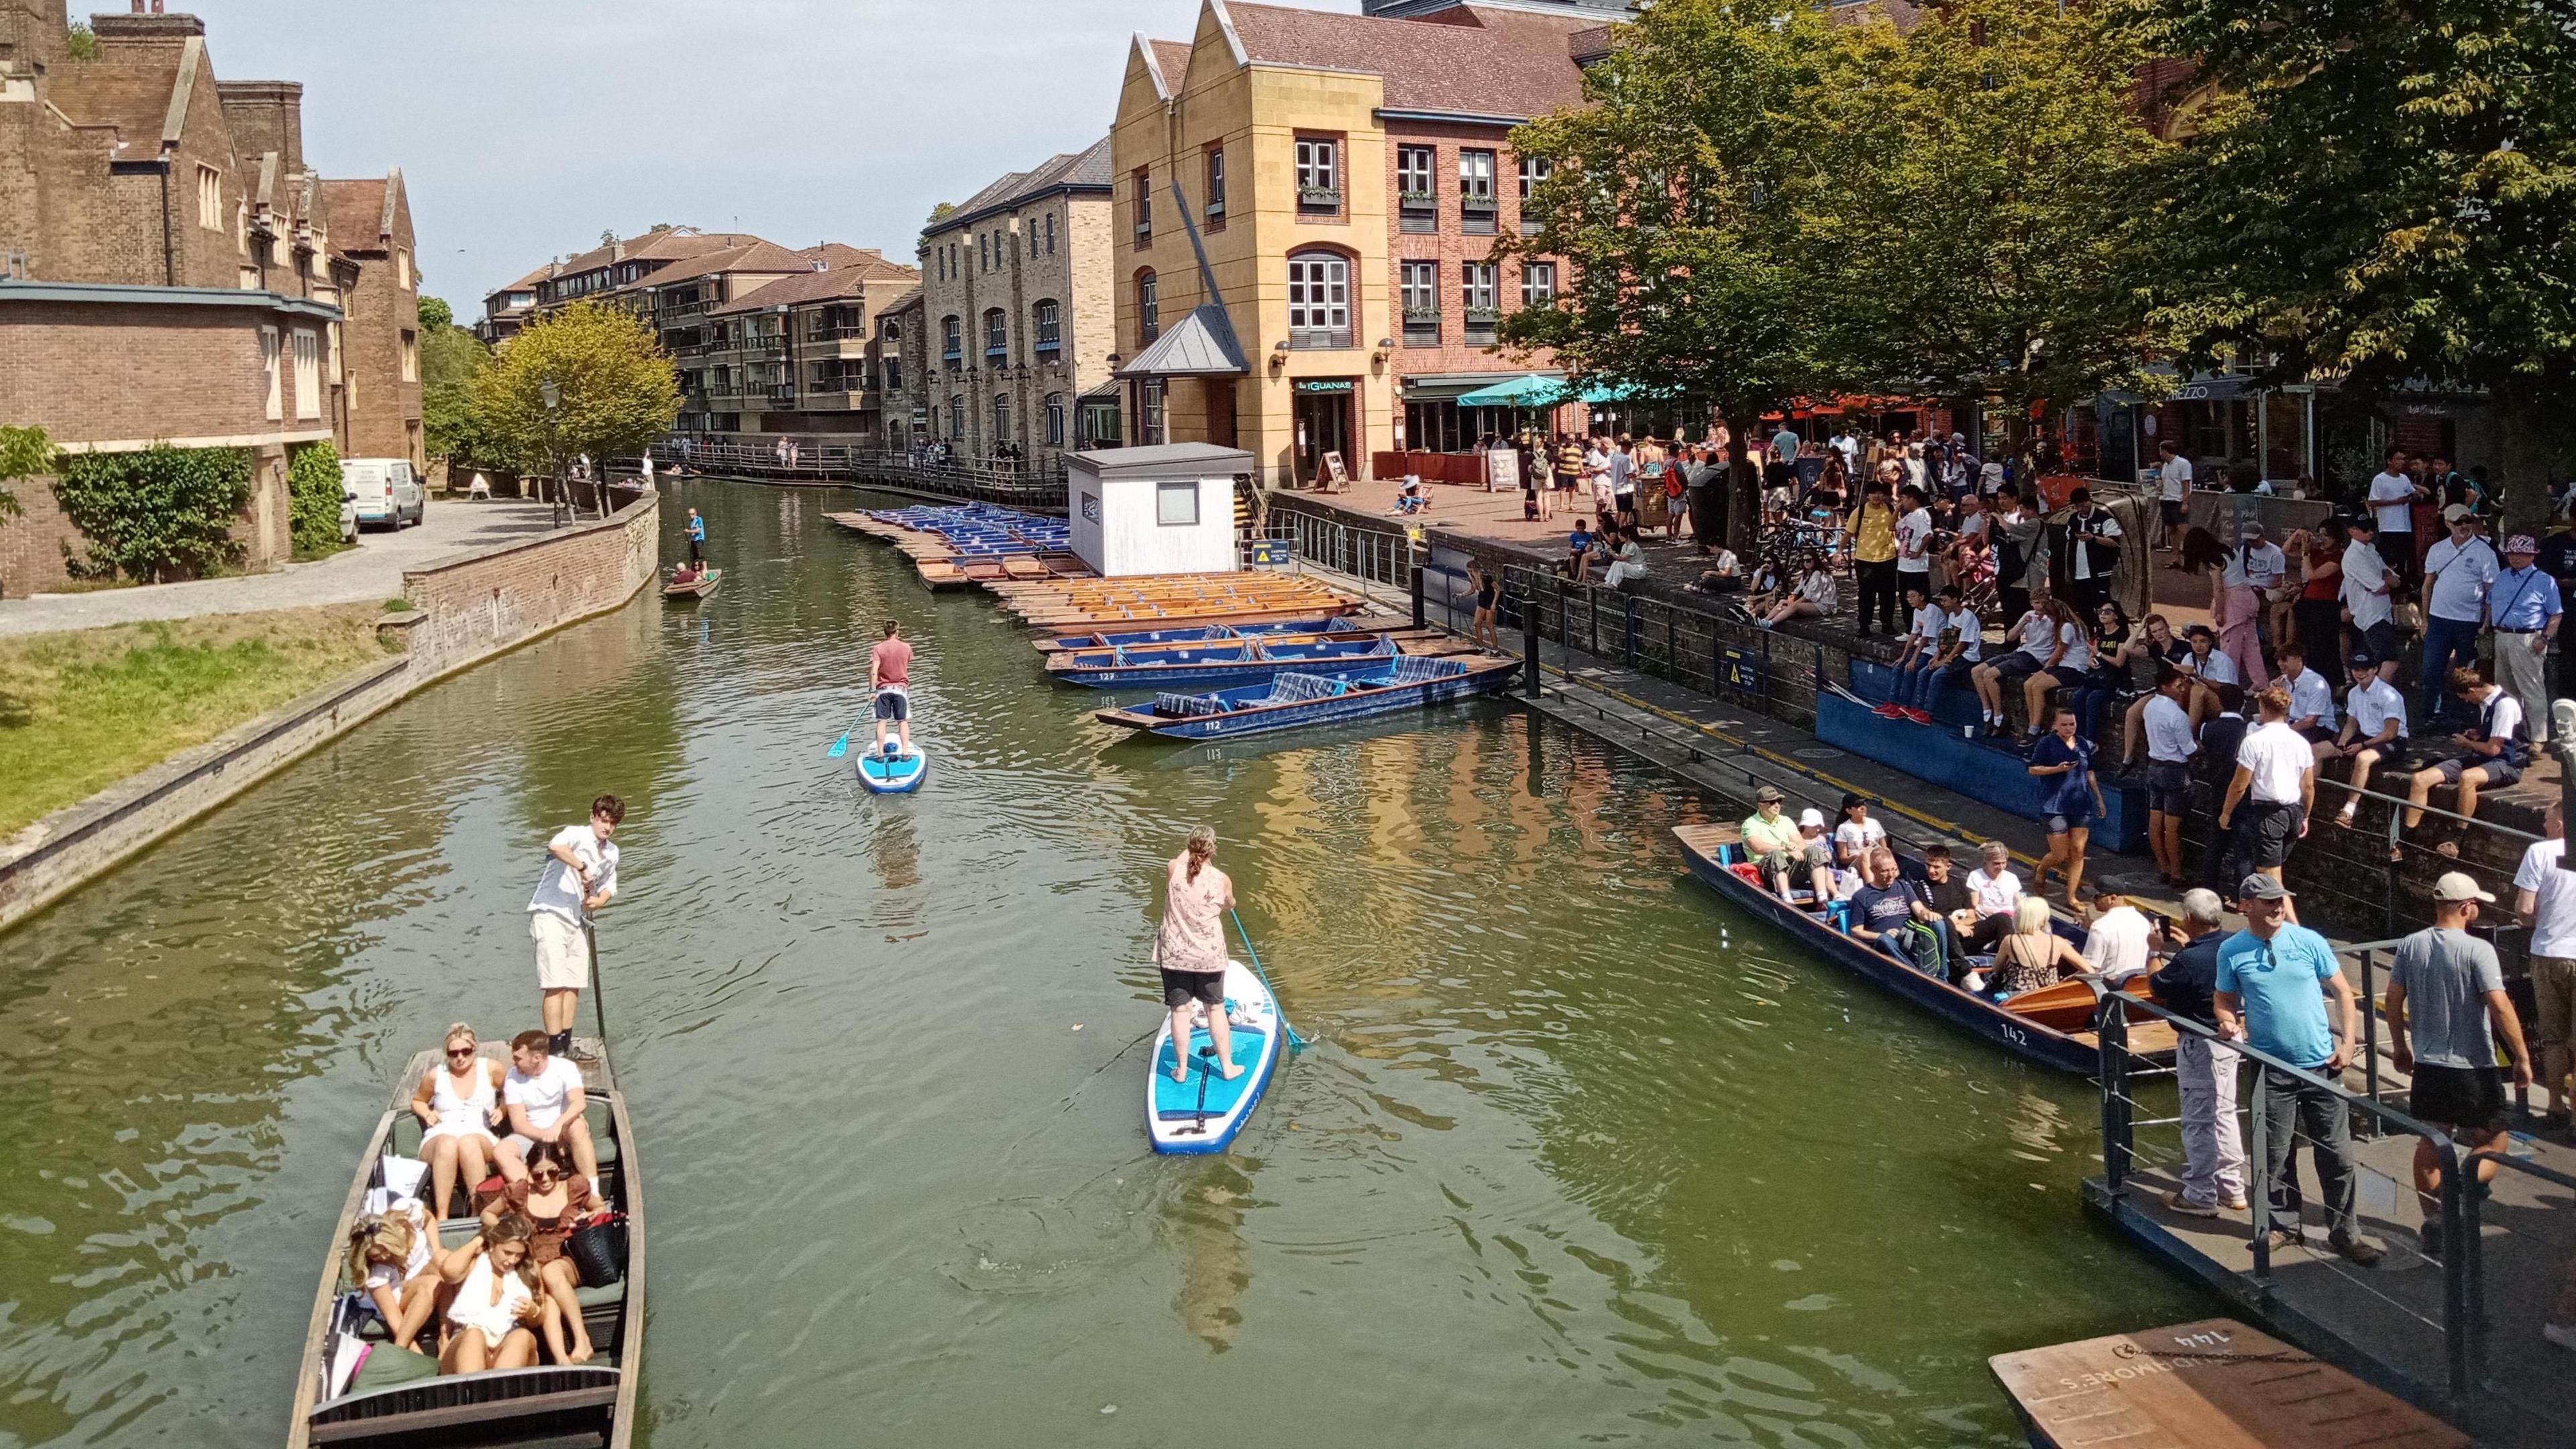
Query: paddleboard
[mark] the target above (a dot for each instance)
(895, 775)
(1203, 1113)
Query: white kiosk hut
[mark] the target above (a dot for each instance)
(1167, 509)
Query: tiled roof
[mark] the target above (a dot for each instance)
(354, 211)
(1085, 168)
(1504, 63)
(1172, 58)
(678, 243)
(131, 95)
(760, 256)
(527, 283)
(838, 254)
(838, 283)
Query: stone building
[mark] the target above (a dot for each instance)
(1349, 177)
(168, 272)
(897, 358)
(1015, 286)
(370, 224)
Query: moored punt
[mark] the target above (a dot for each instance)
(355, 1387)
(2215, 1384)
(1407, 682)
(1218, 663)
(697, 588)
(2052, 1026)
(1196, 633)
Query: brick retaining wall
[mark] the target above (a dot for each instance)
(482, 603)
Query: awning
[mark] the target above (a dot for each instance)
(1537, 390)
(2220, 387)
(1199, 345)
(1606, 392)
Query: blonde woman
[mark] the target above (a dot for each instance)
(493, 1318)
(459, 1103)
(391, 1255)
(2031, 955)
(1190, 950)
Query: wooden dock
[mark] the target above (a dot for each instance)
(2215, 1384)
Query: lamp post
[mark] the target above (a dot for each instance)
(553, 397)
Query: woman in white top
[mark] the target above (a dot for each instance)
(1814, 598)
(1627, 560)
(390, 1257)
(459, 1102)
(492, 1319)
(2236, 601)
(2074, 661)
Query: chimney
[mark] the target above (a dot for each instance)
(143, 35)
(266, 116)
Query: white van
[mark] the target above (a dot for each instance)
(387, 490)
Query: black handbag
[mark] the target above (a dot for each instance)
(598, 1249)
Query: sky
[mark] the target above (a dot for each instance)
(524, 128)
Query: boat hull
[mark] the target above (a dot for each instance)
(690, 592)
(1204, 675)
(1180, 1118)
(1482, 677)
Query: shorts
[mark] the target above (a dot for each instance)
(1180, 988)
(1777, 862)
(2470, 1098)
(2016, 666)
(2381, 640)
(894, 704)
(2060, 824)
(2498, 771)
(2553, 996)
(1820, 855)
(2171, 511)
(563, 953)
(2169, 787)
(2318, 735)
(2272, 827)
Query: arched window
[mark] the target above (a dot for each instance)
(1149, 320)
(1055, 419)
(997, 337)
(1319, 299)
(1001, 418)
(952, 341)
(957, 417)
(1047, 319)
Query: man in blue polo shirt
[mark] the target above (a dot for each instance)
(2273, 980)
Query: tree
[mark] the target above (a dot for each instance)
(942, 212)
(313, 490)
(1992, 155)
(2382, 193)
(616, 391)
(24, 452)
(1682, 197)
(435, 314)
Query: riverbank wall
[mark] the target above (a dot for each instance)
(465, 609)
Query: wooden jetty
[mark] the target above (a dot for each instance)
(943, 567)
(2215, 1384)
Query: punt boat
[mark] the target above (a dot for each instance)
(1218, 663)
(355, 1387)
(1200, 633)
(1406, 682)
(2052, 1026)
(697, 588)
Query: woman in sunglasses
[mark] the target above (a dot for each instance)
(459, 1102)
(555, 1199)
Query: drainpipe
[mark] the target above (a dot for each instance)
(169, 242)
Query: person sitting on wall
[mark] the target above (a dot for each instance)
(1723, 575)
(2493, 752)
(2374, 721)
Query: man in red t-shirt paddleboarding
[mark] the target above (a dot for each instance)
(890, 682)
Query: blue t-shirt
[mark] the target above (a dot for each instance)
(698, 529)
(1578, 541)
(2280, 984)
(2065, 794)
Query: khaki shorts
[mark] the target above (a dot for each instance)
(563, 955)
(2553, 991)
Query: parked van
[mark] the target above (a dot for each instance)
(388, 492)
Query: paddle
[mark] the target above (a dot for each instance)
(841, 746)
(1296, 1043)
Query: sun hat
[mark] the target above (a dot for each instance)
(2521, 543)
(2458, 885)
(1811, 816)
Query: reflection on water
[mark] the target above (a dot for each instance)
(1578, 1154)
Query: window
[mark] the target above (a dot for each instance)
(1001, 418)
(1477, 291)
(1144, 206)
(1319, 299)
(268, 365)
(1421, 304)
(1538, 283)
(1534, 169)
(1055, 419)
(1149, 317)
(997, 337)
(1149, 412)
(1215, 187)
(210, 198)
(402, 268)
(894, 374)
(1319, 175)
(1050, 233)
(1417, 194)
(952, 344)
(1476, 192)
(1048, 320)
(349, 395)
(890, 329)
(983, 252)
(1176, 504)
(410, 357)
(241, 227)
(957, 416)
(308, 374)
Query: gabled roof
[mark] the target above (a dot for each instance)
(811, 287)
(677, 243)
(527, 283)
(1199, 345)
(133, 95)
(1472, 61)
(1172, 59)
(1084, 170)
(355, 213)
(759, 256)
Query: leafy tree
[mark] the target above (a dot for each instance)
(24, 452)
(2383, 193)
(451, 429)
(942, 212)
(159, 514)
(314, 493)
(435, 314)
(82, 42)
(616, 391)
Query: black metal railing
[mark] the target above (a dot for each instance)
(1036, 482)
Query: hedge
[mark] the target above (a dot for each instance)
(160, 514)
(313, 481)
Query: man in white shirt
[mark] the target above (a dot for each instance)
(2494, 749)
(579, 878)
(544, 1099)
(2374, 721)
(1922, 642)
(2115, 939)
(2173, 498)
(2544, 895)
(2312, 706)
(1958, 643)
(2457, 574)
(2392, 502)
(1913, 540)
(1596, 473)
(2170, 746)
(2365, 595)
(2274, 787)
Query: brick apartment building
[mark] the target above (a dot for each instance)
(168, 269)
(370, 224)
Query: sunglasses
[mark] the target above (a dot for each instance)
(460, 1051)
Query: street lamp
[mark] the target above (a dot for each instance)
(553, 398)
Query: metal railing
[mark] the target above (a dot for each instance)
(1037, 482)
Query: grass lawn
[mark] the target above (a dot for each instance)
(82, 710)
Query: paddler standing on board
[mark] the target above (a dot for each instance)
(890, 682)
(1190, 951)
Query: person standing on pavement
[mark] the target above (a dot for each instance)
(2544, 896)
(2457, 575)
(2213, 1149)
(2367, 604)
(2393, 495)
(2173, 499)
(2272, 982)
(1874, 564)
(2446, 1006)
(2524, 609)
(2093, 541)
(2276, 767)
(2170, 746)
(2236, 599)
(579, 878)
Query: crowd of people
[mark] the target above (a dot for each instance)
(506, 1149)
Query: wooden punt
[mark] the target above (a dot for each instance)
(1307, 628)
(697, 588)
(391, 1404)
(1220, 663)
(2215, 1384)
(1291, 700)
(2051, 1027)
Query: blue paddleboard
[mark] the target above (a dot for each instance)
(1202, 1113)
(894, 774)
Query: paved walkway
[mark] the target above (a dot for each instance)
(371, 571)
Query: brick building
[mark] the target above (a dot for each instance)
(168, 271)
(807, 335)
(897, 359)
(1016, 290)
(369, 223)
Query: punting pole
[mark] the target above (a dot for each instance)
(1296, 1043)
(598, 981)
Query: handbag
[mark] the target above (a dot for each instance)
(598, 1249)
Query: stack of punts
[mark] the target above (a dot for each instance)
(1220, 663)
(1068, 604)
(964, 546)
(1407, 682)
(355, 1387)
(2051, 1026)
(1197, 634)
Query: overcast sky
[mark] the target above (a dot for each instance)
(525, 127)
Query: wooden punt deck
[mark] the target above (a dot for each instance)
(942, 568)
(2215, 1384)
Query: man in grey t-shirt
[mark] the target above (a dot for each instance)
(2444, 990)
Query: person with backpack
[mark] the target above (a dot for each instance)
(1895, 916)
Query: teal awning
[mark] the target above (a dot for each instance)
(1533, 391)
(1603, 392)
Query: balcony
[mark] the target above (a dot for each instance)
(782, 393)
(684, 309)
(1318, 339)
(834, 334)
(1048, 348)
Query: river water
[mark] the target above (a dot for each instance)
(1581, 1155)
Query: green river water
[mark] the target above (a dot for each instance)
(1581, 1155)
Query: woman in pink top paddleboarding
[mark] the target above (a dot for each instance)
(1190, 949)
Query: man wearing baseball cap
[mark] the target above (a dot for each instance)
(2457, 573)
(2273, 980)
(2523, 608)
(1771, 839)
(2446, 1008)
